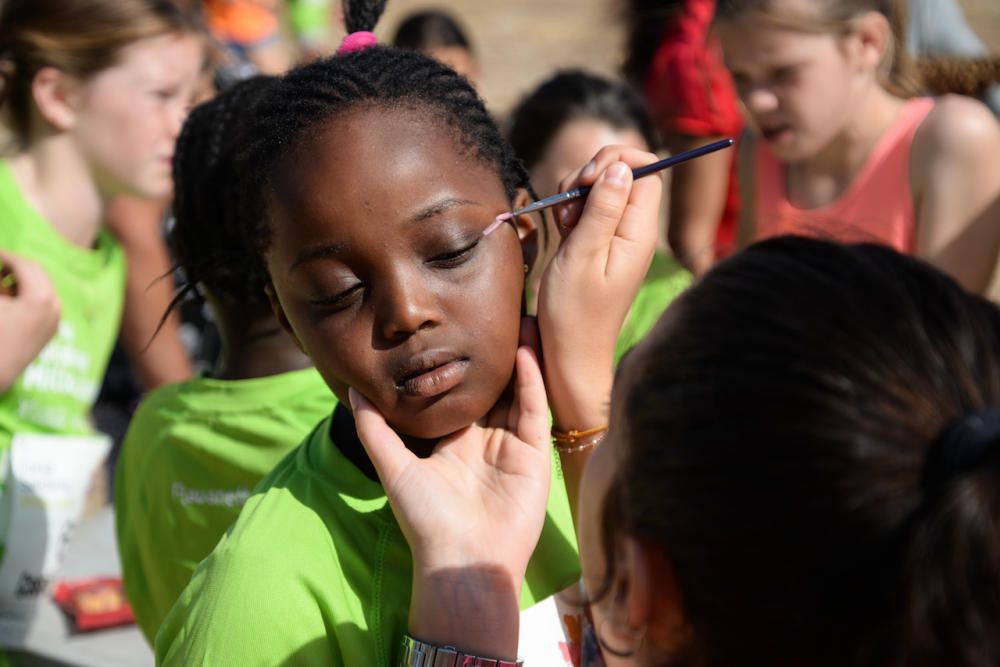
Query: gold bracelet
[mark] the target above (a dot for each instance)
(573, 435)
(571, 442)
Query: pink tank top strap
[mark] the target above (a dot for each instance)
(877, 206)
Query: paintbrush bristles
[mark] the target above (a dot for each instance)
(500, 219)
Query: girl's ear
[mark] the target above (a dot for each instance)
(279, 314)
(527, 228)
(645, 614)
(872, 39)
(55, 94)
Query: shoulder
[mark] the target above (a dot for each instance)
(956, 128)
(267, 572)
(153, 421)
(147, 429)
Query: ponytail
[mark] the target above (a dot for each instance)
(949, 602)
(362, 15)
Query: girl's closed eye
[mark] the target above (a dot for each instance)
(338, 301)
(455, 258)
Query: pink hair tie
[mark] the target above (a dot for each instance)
(357, 41)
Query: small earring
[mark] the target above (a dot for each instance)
(527, 268)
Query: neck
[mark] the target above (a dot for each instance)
(842, 158)
(255, 347)
(344, 435)
(56, 180)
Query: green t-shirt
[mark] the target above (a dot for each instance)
(317, 572)
(664, 282)
(56, 391)
(193, 453)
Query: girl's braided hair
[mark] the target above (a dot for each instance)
(376, 78)
(209, 239)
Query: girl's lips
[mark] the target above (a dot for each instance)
(436, 380)
(777, 133)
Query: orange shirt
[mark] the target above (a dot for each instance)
(876, 207)
(244, 22)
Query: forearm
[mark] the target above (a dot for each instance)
(698, 192)
(18, 351)
(157, 357)
(474, 609)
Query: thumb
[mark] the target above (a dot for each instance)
(602, 212)
(384, 447)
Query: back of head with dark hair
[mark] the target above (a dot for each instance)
(429, 30)
(375, 78)
(209, 239)
(777, 437)
(572, 95)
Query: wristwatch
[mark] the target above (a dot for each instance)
(421, 654)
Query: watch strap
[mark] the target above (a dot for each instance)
(416, 653)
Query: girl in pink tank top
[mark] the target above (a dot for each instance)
(842, 147)
(876, 207)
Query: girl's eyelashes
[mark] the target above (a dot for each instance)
(455, 258)
(347, 297)
(338, 301)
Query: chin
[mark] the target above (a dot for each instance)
(442, 417)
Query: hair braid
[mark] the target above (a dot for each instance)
(362, 14)
(379, 77)
(207, 240)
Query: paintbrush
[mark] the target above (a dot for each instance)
(583, 191)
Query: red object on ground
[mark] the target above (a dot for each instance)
(94, 603)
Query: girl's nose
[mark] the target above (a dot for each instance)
(406, 304)
(761, 100)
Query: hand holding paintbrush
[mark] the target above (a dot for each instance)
(583, 190)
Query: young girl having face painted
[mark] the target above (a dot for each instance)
(843, 148)
(378, 172)
(195, 450)
(559, 126)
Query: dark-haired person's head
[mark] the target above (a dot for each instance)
(209, 239)
(371, 177)
(437, 34)
(563, 122)
(804, 469)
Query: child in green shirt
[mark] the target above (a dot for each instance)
(93, 96)
(372, 176)
(195, 450)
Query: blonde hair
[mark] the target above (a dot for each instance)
(79, 37)
(896, 73)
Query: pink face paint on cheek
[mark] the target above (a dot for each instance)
(495, 225)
